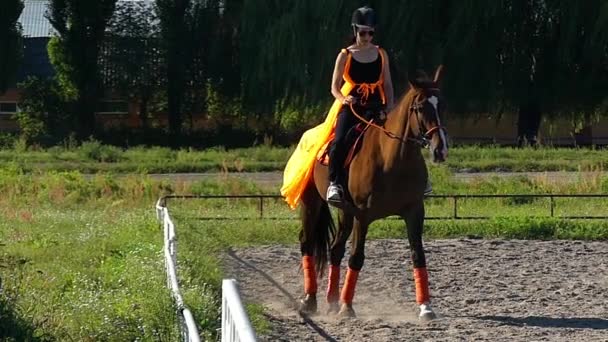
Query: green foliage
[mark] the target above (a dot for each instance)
(63, 69)
(41, 116)
(7, 140)
(10, 42)
(94, 150)
(80, 27)
(131, 57)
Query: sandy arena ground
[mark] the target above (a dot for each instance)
(482, 290)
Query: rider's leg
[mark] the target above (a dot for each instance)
(337, 155)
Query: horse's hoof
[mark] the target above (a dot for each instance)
(308, 305)
(426, 313)
(347, 311)
(333, 308)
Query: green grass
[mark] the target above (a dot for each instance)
(84, 274)
(81, 258)
(92, 157)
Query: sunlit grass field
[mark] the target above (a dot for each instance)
(81, 258)
(92, 157)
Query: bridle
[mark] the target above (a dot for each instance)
(422, 139)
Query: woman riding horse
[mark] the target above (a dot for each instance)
(388, 176)
(366, 66)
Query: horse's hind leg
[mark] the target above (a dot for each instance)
(415, 221)
(338, 248)
(315, 237)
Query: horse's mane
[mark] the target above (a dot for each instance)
(418, 84)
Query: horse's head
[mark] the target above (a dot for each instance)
(427, 107)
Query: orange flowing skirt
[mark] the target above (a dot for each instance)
(300, 166)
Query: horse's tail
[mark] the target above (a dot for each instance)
(318, 228)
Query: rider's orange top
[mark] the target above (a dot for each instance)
(366, 89)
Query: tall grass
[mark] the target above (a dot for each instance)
(81, 259)
(93, 157)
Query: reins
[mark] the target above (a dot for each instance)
(422, 140)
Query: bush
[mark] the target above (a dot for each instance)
(41, 115)
(7, 140)
(94, 150)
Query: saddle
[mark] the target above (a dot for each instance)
(354, 137)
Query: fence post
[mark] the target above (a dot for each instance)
(552, 205)
(261, 207)
(455, 207)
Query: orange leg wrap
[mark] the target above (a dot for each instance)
(310, 275)
(333, 284)
(348, 291)
(421, 279)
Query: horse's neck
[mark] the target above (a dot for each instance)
(398, 152)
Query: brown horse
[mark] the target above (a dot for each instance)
(386, 177)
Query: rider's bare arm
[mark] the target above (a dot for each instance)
(336, 82)
(388, 83)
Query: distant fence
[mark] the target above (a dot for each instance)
(454, 212)
(235, 323)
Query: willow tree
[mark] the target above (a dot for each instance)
(510, 55)
(173, 15)
(10, 42)
(131, 59)
(524, 56)
(80, 26)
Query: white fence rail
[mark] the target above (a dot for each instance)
(235, 323)
(187, 324)
(236, 326)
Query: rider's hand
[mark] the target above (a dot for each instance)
(349, 100)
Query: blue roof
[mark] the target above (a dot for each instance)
(32, 19)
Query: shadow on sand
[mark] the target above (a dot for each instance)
(322, 333)
(550, 322)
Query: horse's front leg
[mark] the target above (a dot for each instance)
(355, 264)
(414, 220)
(338, 248)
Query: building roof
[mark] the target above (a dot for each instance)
(33, 21)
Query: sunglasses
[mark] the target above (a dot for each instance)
(364, 33)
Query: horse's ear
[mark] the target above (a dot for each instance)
(438, 75)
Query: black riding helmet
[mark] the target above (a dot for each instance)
(364, 16)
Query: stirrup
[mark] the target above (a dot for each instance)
(335, 193)
(428, 189)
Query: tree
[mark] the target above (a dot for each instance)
(173, 15)
(531, 56)
(522, 56)
(131, 59)
(81, 27)
(41, 117)
(10, 42)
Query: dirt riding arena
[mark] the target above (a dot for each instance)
(482, 290)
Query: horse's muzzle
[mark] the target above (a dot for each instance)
(438, 155)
